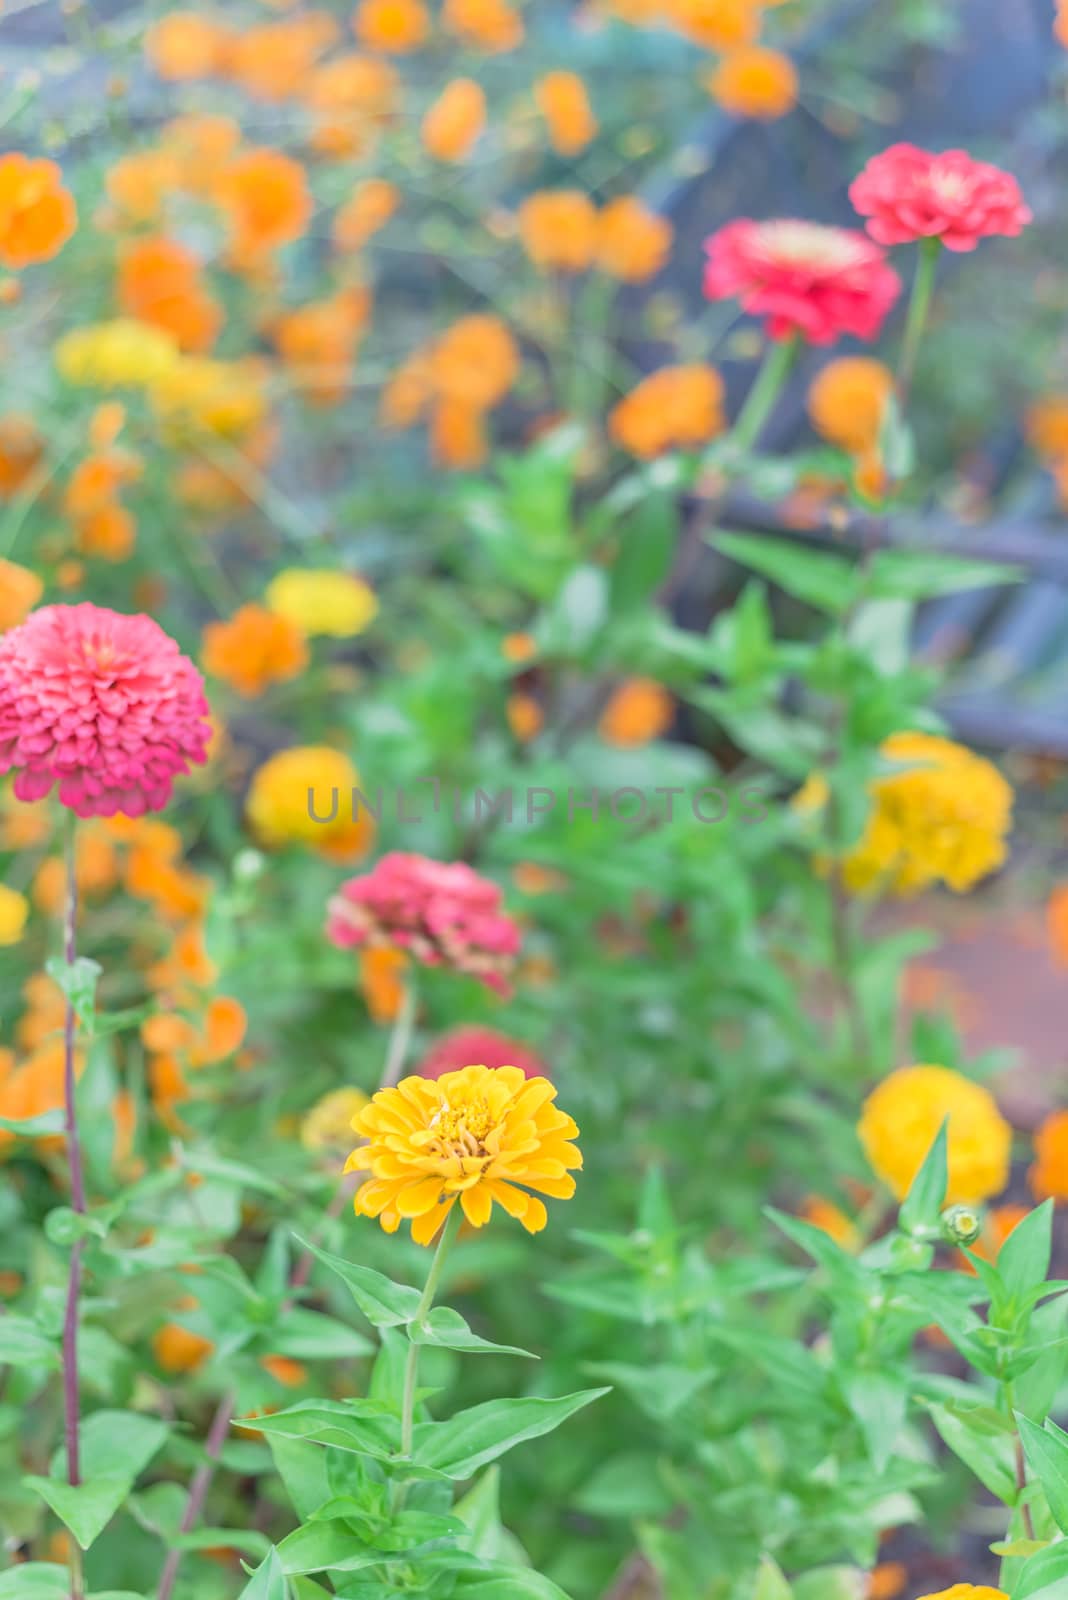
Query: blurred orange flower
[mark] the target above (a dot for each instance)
(353, 95)
(382, 984)
(673, 408)
(453, 124)
(37, 215)
(525, 716)
(186, 45)
(633, 242)
(558, 230)
(367, 209)
(716, 24)
(1047, 427)
(266, 197)
(488, 25)
(177, 1350)
(200, 145)
(1049, 1175)
(272, 62)
(20, 591)
(21, 449)
(639, 710)
(318, 342)
(396, 26)
(565, 105)
(847, 401)
(458, 435)
(476, 361)
(159, 283)
(139, 183)
(755, 82)
(254, 649)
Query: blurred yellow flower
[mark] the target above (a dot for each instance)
(943, 818)
(479, 1135)
(122, 353)
(197, 396)
(901, 1119)
(337, 605)
(14, 909)
(304, 796)
(328, 1125)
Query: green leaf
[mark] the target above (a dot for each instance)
(878, 1401)
(35, 1580)
(23, 1344)
(115, 1447)
(923, 1204)
(984, 1441)
(924, 574)
(311, 1336)
(511, 1583)
(78, 985)
(359, 1426)
(327, 1547)
(302, 1468)
(1047, 1454)
(473, 1438)
(448, 1330)
(831, 1583)
(1023, 1260)
(771, 1583)
(31, 1127)
(1044, 1576)
(825, 581)
(268, 1582)
(209, 1165)
(384, 1303)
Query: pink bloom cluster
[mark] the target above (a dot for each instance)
(104, 705)
(477, 1046)
(802, 278)
(908, 194)
(442, 914)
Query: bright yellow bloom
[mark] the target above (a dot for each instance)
(122, 353)
(328, 1125)
(14, 909)
(280, 812)
(336, 604)
(901, 1119)
(967, 1591)
(943, 818)
(199, 396)
(481, 1134)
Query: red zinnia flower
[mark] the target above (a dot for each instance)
(802, 278)
(908, 194)
(461, 1047)
(105, 705)
(441, 914)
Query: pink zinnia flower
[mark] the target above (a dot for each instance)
(802, 278)
(482, 1047)
(103, 704)
(907, 193)
(441, 914)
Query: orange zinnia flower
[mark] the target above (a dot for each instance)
(200, 145)
(458, 435)
(353, 95)
(318, 344)
(37, 215)
(253, 650)
(670, 409)
(368, 209)
(21, 449)
(847, 401)
(453, 124)
(558, 230)
(185, 45)
(476, 361)
(755, 82)
(640, 710)
(564, 103)
(20, 591)
(159, 283)
(488, 25)
(1049, 1175)
(633, 242)
(271, 62)
(382, 972)
(266, 196)
(395, 26)
(716, 24)
(139, 183)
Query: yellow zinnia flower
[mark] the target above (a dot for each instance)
(198, 396)
(478, 1135)
(304, 795)
(943, 818)
(336, 604)
(967, 1591)
(14, 909)
(122, 353)
(328, 1125)
(901, 1119)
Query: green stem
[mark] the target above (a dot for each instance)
(767, 386)
(411, 1369)
(919, 307)
(401, 1037)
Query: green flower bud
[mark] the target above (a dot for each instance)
(961, 1224)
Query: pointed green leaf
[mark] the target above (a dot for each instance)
(1047, 1454)
(268, 1582)
(115, 1447)
(474, 1438)
(923, 1204)
(384, 1303)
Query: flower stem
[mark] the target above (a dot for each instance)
(77, 1183)
(767, 385)
(919, 306)
(400, 1039)
(411, 1368)
(198, 1489)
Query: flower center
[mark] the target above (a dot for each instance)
(461, 1130)
(807, 244)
